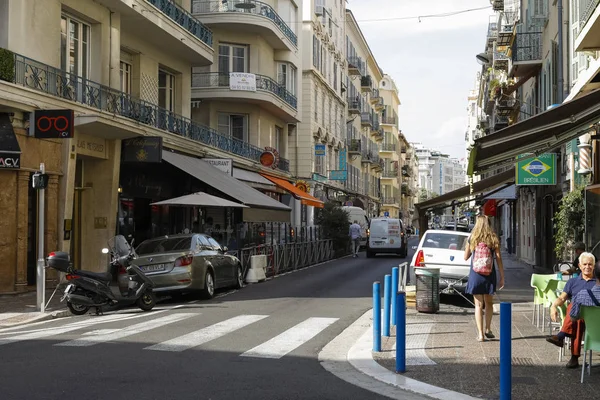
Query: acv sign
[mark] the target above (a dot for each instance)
(9, 162)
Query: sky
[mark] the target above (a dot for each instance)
(432, 62)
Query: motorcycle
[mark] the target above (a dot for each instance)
(92, 289)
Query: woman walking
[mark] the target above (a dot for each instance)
(484, 247)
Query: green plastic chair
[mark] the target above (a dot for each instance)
(539, 283)
(562, 310)
(591, 339)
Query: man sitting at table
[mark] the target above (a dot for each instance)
(573, 328)
(590, 297)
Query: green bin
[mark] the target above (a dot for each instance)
(428, 289)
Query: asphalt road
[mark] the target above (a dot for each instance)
(260, 342)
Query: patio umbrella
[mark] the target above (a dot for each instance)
(199, 199)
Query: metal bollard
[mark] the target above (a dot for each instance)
(387, 287)
(401, 332)
(376, 316)
(395, 277)
(505, 351)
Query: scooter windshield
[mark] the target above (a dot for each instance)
(119, 246)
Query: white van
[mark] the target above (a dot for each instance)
(386, 235)
(358, 214)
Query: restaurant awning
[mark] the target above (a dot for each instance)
(224, 183)
(304, 197)
(537, 134)
(10, 151)
(484, 185)
(199, 199)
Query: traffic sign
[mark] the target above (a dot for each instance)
(539, 170)
(386, 214)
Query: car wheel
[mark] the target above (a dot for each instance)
(240, 277)
(209, 286)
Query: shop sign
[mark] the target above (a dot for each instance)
(343, 159)
(338, 175)
(52, 124)
(539, 170)
(146, 149)
(242, 81)
(223, 164)
(10, 160)
(302, 185)
(91, 146)
(319, 178)
(270, 158)
(320, 150)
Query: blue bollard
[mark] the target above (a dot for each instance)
(395, 276)
(387, 288)
(505, 351)
(376, 316)
(401, 332)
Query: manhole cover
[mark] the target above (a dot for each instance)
(515, 361)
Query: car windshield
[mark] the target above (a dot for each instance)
(452, 241)
(164, 245)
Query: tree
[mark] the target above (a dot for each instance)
(569, 221)
(335, 225)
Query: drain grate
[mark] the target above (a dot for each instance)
(515, 361)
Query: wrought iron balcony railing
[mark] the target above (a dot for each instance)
(355, 62)
(389, 119)
(527, 47)
(220, 79)
(389, 200)
(245, 7)
(389, 173)
(354, 146)
(388, 147)
(366, 118)
(585, 13)
(184, 19)
(56, 82)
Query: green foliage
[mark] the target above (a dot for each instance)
(7, 65)
(334, 222)
(569, 221)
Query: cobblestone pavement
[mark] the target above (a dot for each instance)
(442, 349)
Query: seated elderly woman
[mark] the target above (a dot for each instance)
(571, 327)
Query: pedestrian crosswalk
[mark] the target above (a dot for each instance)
(177, 332)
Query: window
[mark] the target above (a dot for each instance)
(316, 52)
(234, 125)
(233, 58)
(286, 77)
(74, 46)
(316, 106)
(278, 135)
(125, 77)
(166, 90)
(335, 76)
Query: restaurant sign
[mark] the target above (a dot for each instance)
(146, 149)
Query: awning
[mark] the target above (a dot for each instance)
(219, 180)
(507, 193)
(10, 151)
(250, 176)
(537, 134)
(484, 185)
(304, 197)
(199, 199)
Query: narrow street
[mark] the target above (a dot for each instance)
(260, 342)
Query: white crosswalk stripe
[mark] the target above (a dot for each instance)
(291, 339)
(207, 334)
(129, 331)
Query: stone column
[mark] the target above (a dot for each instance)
(51, 223)
(23, 179)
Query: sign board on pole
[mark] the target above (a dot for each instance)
(539, 170)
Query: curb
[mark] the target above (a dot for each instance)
(372, 376)
(39, 318)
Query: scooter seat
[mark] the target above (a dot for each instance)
(101, 276)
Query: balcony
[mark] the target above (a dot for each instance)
(526, 54)
(505, 35)
(366, 119)
(269, 94)
(501, 62)
(500, 122)
(388, 147)
(366, 84)
(389, 173)
(405, 171)
(367, 157)
(589, 35)
(109, 102)
(354, 106)
(492, 33)
(168, 24)
(378, 163)
(356, 66)
(247, 16)
(506, 105)
(390, 201)
(497, 5)
(354, 147)
(387, 119)
(379, 134)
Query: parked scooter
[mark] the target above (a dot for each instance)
(91, 289)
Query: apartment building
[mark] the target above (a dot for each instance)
(390, 149)
(474, 113)
(109, 96)
(408, 179)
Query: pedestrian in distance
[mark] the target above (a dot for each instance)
(483, 247)
(579, 248)
(355, 235)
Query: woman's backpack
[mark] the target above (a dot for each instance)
(483, 259)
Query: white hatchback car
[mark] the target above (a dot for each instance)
(445, 250)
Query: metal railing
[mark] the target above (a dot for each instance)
(527, 47)
(184, 19)
(389, 200)
(56, 82)
(245, 7)
(366, 82)
(221, 79)
(366, 118)
(354, 103)
(357, 63)
(388, 147)
(585, 13)
(354, 146)
(389, 119)
(389, 173)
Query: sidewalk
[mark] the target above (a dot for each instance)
(442, 349)
(20, 309)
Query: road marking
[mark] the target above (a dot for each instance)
(129, 331)
(291, 339)
(207, 334)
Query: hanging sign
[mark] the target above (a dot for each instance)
(52, 124)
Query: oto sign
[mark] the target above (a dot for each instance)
(539, 170)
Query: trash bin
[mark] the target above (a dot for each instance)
(428, 289)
